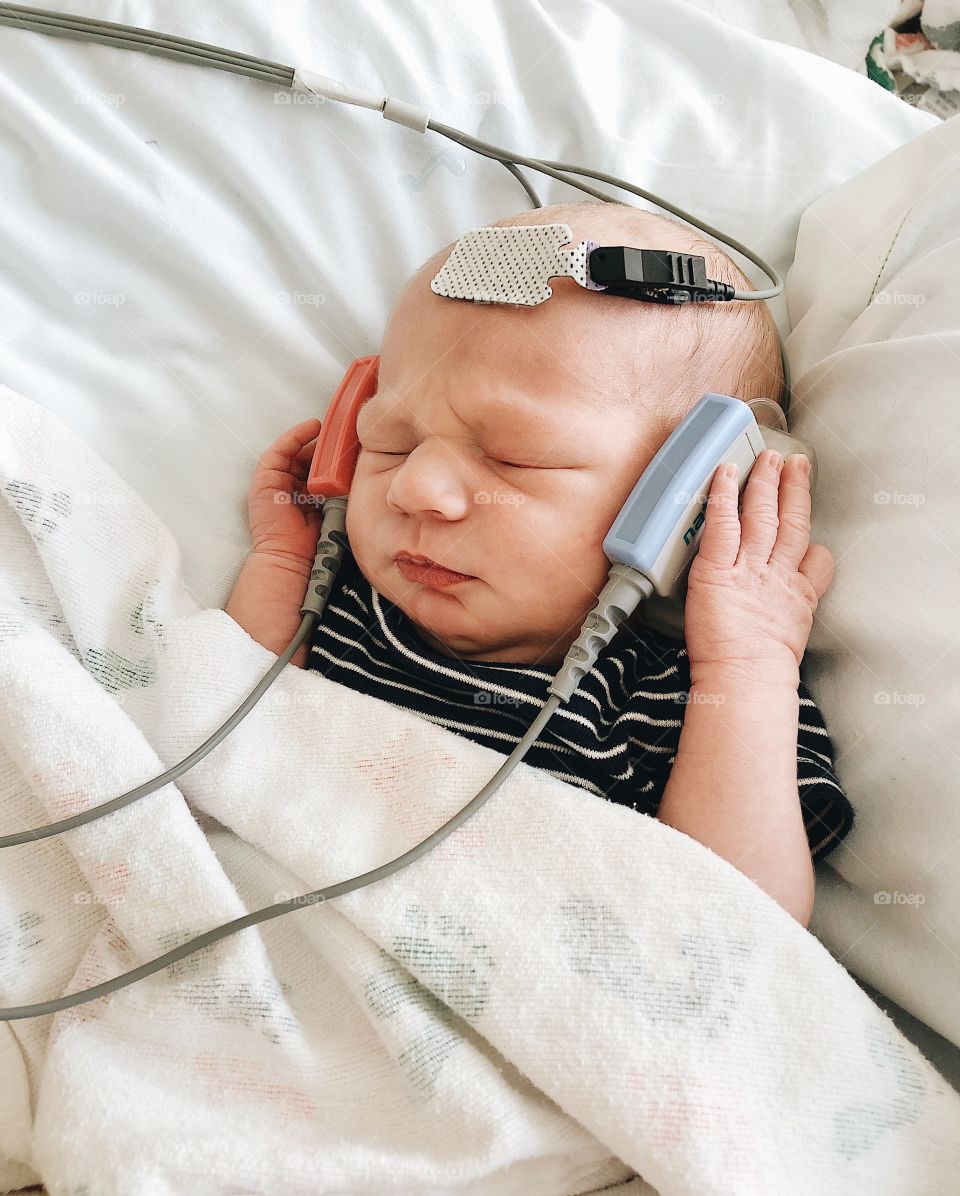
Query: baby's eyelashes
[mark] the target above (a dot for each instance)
(494, 460)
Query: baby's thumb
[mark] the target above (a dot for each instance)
(818, 567)
(306, 453)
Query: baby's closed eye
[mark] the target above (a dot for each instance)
(495, 460)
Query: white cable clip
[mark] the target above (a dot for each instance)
(332, 89)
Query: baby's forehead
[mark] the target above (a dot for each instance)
(569, 341)
(508, 403)
(496, 390)
(531, 386)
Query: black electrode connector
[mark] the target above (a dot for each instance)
(655, 275)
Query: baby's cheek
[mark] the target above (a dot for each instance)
(587, 568)
(569, 579)
(583, 536)
(352, 520)
(358, 517)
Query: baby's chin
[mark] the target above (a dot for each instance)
(482, 649)
(446, 623)
(457, 621)
(440, 616)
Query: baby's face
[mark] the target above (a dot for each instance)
(482, 450)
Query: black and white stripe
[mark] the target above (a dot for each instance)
(617, 736)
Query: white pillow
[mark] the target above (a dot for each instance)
(874, 297)
(836, 29)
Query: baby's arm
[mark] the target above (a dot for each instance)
(733, 785)
(752, 591)
(266, 602)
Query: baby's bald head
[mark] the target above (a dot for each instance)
(658, 359)
(503, 439)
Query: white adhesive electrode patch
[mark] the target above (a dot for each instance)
(513, 264)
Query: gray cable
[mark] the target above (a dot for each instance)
(553, 169)
(125, 799)
(525, 183)
(203, 54)
(284, 907)
(133, 37)
(769, 293)
(331, 544)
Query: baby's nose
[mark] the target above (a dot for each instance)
(433, 479)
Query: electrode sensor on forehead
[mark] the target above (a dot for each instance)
(514, 263)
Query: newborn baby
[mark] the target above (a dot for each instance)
(501, 444)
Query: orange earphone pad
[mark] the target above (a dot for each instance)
(337, 448)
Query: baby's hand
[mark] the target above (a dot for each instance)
(756, 580)
(279, 525)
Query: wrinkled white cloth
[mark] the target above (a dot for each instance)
(560, 997)
(832, 29)
(922, 66)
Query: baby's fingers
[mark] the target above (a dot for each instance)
(818, 566)
(720, 541)
(289, 447)
(759, 517)
(793, 537)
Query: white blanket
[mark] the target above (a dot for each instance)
(562, 995)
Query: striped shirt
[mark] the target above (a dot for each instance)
(616, 737)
